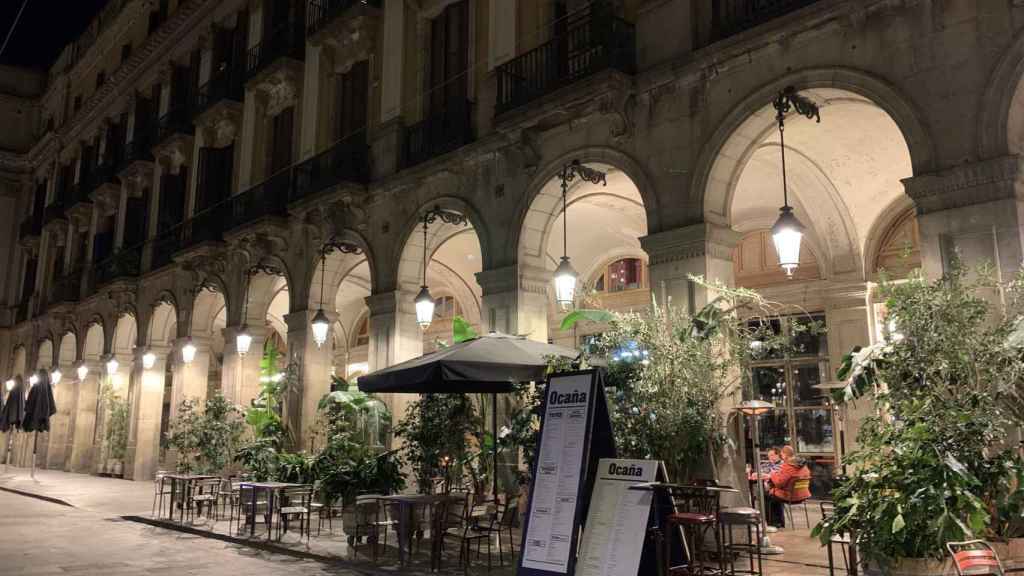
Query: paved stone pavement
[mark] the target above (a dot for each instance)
(42, 538)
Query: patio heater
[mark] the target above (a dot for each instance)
(755, 409)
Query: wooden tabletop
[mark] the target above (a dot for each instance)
(271, 485)
(190, 476)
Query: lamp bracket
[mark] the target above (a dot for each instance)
(789, 99)
(268, 269)
(342, 246)
(577, 169)
(447, 216)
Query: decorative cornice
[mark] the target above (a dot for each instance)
(964, 185)
(696, 241)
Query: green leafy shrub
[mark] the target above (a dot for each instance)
(437, 426)
(205, 440)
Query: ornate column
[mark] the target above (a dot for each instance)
(972, 210)
(145, 412)
(700, 250)
(314, 373)
(189, 380)
(515, 301)
(87, 398)
(394, 337)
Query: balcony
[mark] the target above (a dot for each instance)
(266, 199)
(285, 41)
(321, 13)
(54, 212)
(207, 226)
(347, 161)
(224, 84)
(441, 132)
(124, 264)
(164, 247)
(67, 289)
(22, 313)
(138, 150)
(175, 122)
(730, 17)
(589, 45)
(31, 227)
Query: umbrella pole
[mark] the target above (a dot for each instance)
(10, 445)
(35, 444)
(494, 445)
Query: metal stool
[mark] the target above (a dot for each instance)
(697, 516)
(742, 517)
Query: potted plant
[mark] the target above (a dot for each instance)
(115, 435)
(931, 466)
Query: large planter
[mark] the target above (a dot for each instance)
(1011, 553)
(911, 567)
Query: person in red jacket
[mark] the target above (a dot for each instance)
(789, 484)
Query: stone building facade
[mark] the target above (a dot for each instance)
(185, 166)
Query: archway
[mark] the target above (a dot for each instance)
(84, 433)
(844, 178)
(605, 223)
(44, 355)
(157, 393)
(66, 397)
(346, 278)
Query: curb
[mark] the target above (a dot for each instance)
(28, 494)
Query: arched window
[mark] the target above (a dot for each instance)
(623, 274)
(756, 264)
(899, 250)
(363, 332)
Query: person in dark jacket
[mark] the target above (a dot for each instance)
(791, 484)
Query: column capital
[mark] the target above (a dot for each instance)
(965, 185)
(695, 241)
(299, 321)
(514, 278)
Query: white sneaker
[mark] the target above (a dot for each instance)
(771, 529)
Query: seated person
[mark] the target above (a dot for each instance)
(774, 463)
(783, 486)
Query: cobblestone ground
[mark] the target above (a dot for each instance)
(41, 538)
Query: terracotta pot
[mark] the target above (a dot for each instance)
(911, 567)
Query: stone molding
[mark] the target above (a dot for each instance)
(514, 278)
(964, 185)
(696, 241)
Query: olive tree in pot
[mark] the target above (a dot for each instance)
(931, 466)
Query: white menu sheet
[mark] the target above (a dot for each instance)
(613, 539)
(552, 518)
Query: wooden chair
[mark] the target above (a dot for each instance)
(975, 558)
(294, 503)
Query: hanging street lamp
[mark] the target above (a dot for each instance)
(112, 366)
(424, 301)
(148, 360)
(788, 232)
(321, 324)
(9, 384)
(83, 371)
(243, 339)
(33, 379)
(188, 351)
(565, 276)
(55, 376)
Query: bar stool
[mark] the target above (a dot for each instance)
(741, 516)
(697, 516)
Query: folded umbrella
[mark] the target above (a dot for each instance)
(40, 406)
(13, 413)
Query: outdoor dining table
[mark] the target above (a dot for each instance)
(271, 488)
(407, 504)
(183, 481)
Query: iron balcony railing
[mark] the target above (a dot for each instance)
(268, 198)
(320, 13)
(224, 84)
(441, 132)
(67, 288)
(206, 226)
(32, 225)
(730, 17)
(55, 211)
(286, 40)
(346, 161)
(175, 121)
(125, 263)
(593, 43)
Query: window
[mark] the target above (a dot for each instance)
(126, 52)
(788, 378)
(446, 308)
(101, 78)
(449, 55)
(78, 103)
(624, 274)
(363, 332)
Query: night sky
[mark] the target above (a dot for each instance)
(45, 28)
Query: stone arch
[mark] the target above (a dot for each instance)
(125, 338)
(163, 323)
(208, 309)
(92, 346)
(68, 351)
(339, 266)
(1001, 106)
(725, 154)
(899, 219)
(546, 178)
(44, 354)
(19, 361)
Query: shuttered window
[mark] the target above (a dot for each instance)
(352, 100)
(449, 55)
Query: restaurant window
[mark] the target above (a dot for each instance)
(624, 274)
(788, 378)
